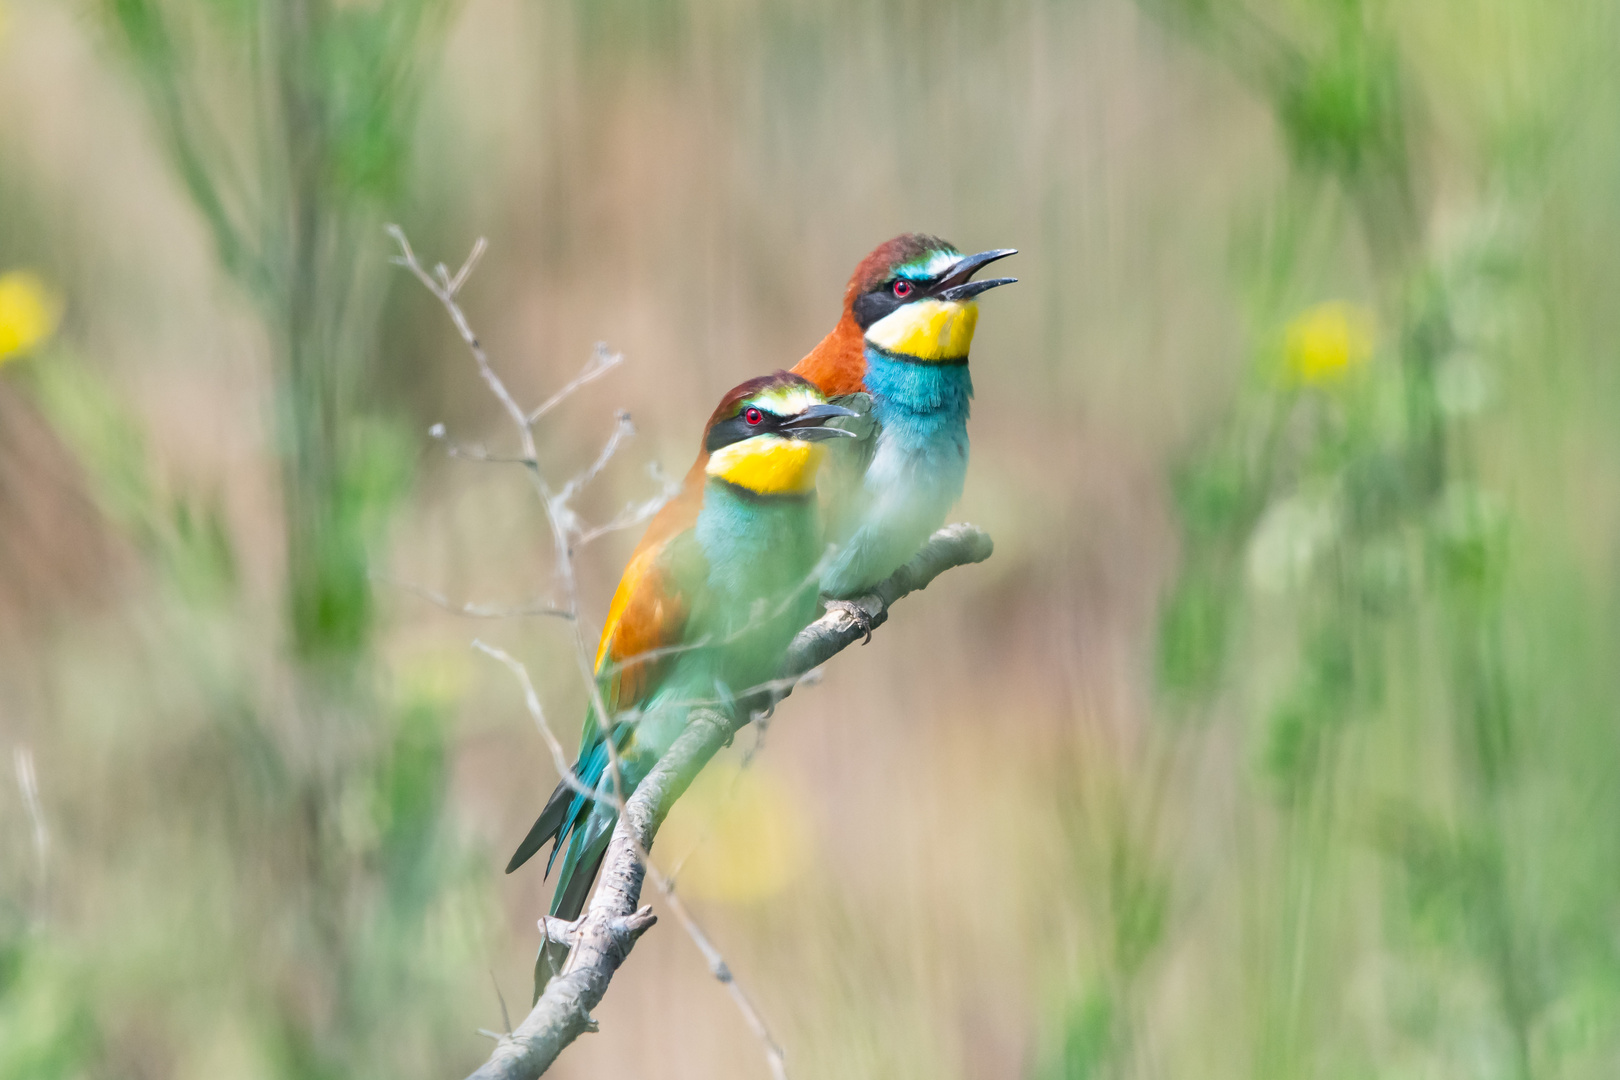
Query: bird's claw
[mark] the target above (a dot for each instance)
(857, 615)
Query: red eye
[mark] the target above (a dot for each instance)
(902, 288)
(754, 417)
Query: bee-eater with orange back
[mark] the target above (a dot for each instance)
(721, 581)
(908, 321)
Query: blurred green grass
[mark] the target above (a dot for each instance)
(1277, 740)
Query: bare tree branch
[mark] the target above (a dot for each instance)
(954, 545)
(603, 936)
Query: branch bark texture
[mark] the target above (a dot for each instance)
(603, 936)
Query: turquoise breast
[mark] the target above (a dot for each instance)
(923, 407)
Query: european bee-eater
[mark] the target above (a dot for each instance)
(909, 316)
(721, 581)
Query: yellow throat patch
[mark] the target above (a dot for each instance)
(937, 331)
(768, 465)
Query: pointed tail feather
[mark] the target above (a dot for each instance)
(547, 825)
(574, 883)
(564, 811)
(547, 962)
(573, 886)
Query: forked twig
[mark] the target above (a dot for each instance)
(602, 361)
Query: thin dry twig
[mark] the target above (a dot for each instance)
(446, 292)
(774, 1057)
(636, 513)
(475, 611)
(531, 699)
(602, 361)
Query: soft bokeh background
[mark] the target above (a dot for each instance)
(1277, 740)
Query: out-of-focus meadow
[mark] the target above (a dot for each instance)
(1279, 738)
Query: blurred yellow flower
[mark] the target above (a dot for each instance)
(742, 833)
(29, 312)
(1324, 342)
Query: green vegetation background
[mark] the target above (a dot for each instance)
(1278, 740)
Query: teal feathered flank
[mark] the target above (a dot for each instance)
(914, 469)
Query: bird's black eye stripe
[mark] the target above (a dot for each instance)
(738, 428)
(884, 299)
(872, 306)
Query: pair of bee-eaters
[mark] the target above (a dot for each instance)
(729, 571)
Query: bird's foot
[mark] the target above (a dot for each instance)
(856, 613)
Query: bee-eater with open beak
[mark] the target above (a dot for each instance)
(721, 581)
(909, 316)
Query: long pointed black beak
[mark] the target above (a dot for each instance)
(810, 425)
(969, 289)
(956, 285)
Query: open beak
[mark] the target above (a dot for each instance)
(956, 285)
(810, 425)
